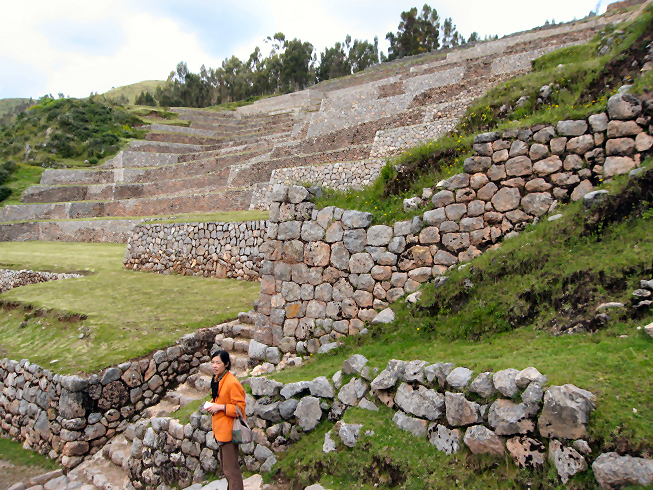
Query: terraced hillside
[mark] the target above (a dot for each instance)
(336, 134)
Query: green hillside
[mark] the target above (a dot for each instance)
(132, 91)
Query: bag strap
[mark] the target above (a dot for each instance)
(240, 414)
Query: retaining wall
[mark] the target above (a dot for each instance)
(70, 418)
(508, 413)
(205, 249)
(331, 269)
(96, 231)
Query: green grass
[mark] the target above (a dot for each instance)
(14, 452)
(129, 313)
(133, 90)
(25, 176)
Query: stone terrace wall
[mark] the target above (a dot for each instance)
(510, 412)
(331, 270)
(340, 176)
(99, 231)
(10, 278)
(205, 249)
(70, 418)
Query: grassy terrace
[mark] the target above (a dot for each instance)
(127, 313)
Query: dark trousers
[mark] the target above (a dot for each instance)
(230, 466)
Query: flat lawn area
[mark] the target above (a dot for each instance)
(128, 313)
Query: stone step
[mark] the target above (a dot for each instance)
(170, 137)
(235, 199)
(106, 470)
(163, 147)
(185, 169)
(208, 182)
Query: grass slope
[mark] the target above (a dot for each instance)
(128, 313)
(133, 90)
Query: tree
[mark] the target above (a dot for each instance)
(474, 37)
(421, 33)
(334, 62)
(363, 54)
(296, 60)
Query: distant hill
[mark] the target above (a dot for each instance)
(8, 105)
(133, 90)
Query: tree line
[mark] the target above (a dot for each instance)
(293, 65)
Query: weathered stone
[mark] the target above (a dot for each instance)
(390, 375)
(308, 413)
(456, 182)
(379, 235)
(598, 122)
(566, 460)
(349, 433)
(507, 418)
(526, 452)
(459, 378)
(506, 199)
(479, 163)
(460, 411)
(385, 316)
(74, 383)
(354, 240)
(537, 203)
(581, 144)
(356, 219)
(429, 235)
(643, 142)
(352, 392)
(360, 263)
(481, 440)
(528, 376)
(320, 387)
(614, 471)
(355, 364)
(421, 402)
(538, 152)
(624, 106)
(518, 148)
(581, 190)
(565, 412)
(617, 166)
(548, 165)
(292, 389)
(504, 382)
(594, 198)
(519, 166)
(444, 439)
(417, 427)
(571, 127)
(264, 387)
(486, 192)
(483, 385)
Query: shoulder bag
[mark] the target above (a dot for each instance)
(241, 434)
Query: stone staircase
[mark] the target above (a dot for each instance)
(225, 161)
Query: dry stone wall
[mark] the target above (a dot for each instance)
(10, 278)
(508, 413)
(70, 418)
(331, 270)
(205, 249)
(99, 231)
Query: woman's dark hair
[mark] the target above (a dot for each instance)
(224, 357)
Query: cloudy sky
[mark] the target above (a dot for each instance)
(80, 46)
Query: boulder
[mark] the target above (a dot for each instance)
(329, 444)
(461, 411)
(292, 389)
(459, 378)
(529, 375)
(624, 106)
(444, 439)
(614, 471)
(352, 392)
(264, 387)
(571, 128)
(481, 440)
(415, 369)
(567, 460)
(526, 452)
(505, 382)
(389, 377)
(591, 199)
(483, 385)
(417, 427)
(308, 413)
(508, 418)
(320, 387)
(256, 350)
(354, 365)
(422, 402)
(356, 219)
(385, 316)
(565, 412)
(349, 433)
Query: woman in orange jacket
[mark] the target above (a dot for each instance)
(227, 394)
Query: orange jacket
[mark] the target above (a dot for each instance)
(230, 393)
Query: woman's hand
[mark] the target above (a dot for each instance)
(215, 408)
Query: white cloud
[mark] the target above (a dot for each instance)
(76, 47)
